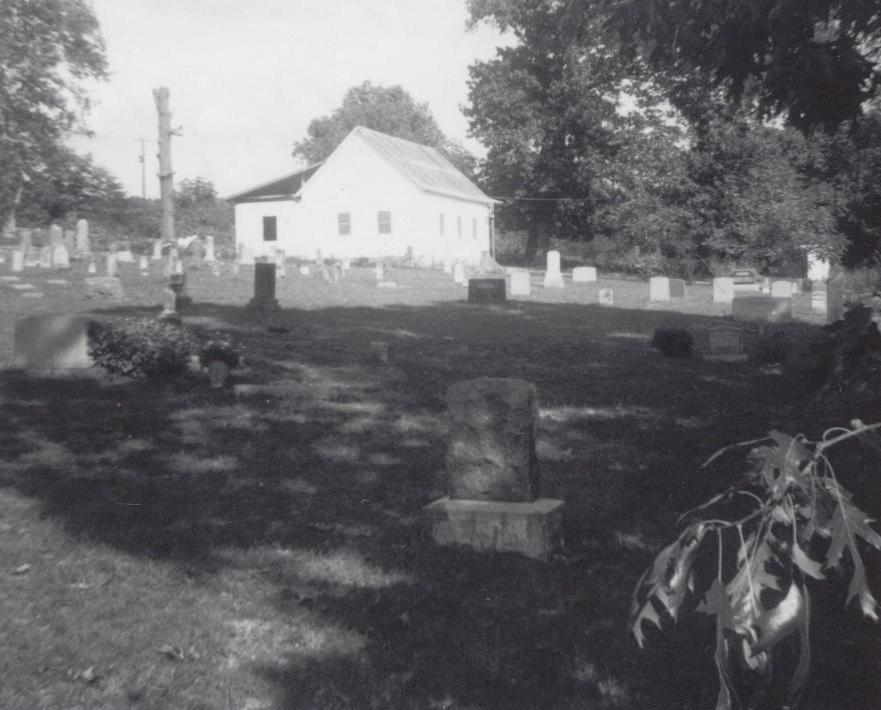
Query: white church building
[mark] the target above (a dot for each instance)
(374, 196)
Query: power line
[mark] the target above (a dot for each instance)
(512, 198)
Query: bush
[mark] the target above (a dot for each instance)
(140, 347)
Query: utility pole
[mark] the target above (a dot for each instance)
(166, 175)
(142, 157)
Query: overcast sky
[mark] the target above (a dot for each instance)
(247, 76)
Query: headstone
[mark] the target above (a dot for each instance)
(32, 257)
(143, 264)
(725, 344)
(178, 267)
(494, 499)
(70, 241)
(659, 288)
(56, 236)
(104, 288)
(304, 269)
(520, 283)
(378, 271)
(92, 269)
(781, 289)
(125, 256)
(197, 250)
(215, 268)
(178, 284)
(335, 272)
(26, 240)
(677, 289)
(835, 285)
(606, 297)
(486, 291)
(46, 257)
(765, 308)
(819, 303)
(491, 449)
(60, 257)
(584, 274)
(52, 342)
(111, 265)
(553, 277)
(264, 287)
(723, 289)
(459, 273)
(169, 305)
(347, 264)
(17, 261)
(746, 281)
(83, 245)
(246, 256)
(157, 250)
(209, 249)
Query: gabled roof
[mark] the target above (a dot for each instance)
(280, 188)
(423, 165)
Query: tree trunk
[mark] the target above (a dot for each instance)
(538, 237)
(10, 224)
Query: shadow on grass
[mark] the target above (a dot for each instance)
(327, 482)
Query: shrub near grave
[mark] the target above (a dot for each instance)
(140, 347)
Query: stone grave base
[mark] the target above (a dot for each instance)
(532, 529)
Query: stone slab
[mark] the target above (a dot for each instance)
(584, 274)
(723, 289)
(486, 291)
(104, 288)
(606, 297)
(659, 289)
(534, 529)
(677, 288)
(765, 308)
(52, 342)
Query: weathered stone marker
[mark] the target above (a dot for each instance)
(494, 483)
(104, 288)
(83, 245)
(606, 297)
(584, 274)
(723, 289)
(157, 250)
(659, 288)
(52, 342)
(17, 264)
(486, 291)
(264, 287)
(677, 288)
(459, 273)
(725, 344)
(178, 283)
(553, 276)
(520, 283)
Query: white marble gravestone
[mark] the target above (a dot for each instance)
(520, 283)
(584, 274)
(659, 289)
(553, 276)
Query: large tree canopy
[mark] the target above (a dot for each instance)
(813, 61)
(47, 49)
(546, 109)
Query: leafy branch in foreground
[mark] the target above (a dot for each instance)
(795, 522)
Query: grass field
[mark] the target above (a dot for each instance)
(165, 545)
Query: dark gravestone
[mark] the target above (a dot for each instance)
(486, 291)
(178, 284)
(264, 287)
(677, 288)
(835, 294)
(765, 308)
(491, 450)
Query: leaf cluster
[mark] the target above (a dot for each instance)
(801, 526)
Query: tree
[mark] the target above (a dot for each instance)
(195, 191)
(47, 48)
(546, 109)
(388, 109)
(814, 62)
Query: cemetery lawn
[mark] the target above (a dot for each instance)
(166, 545)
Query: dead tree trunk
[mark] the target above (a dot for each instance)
(166, 175)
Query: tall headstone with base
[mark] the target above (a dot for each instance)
(70, 241)
(264, 287)
(553, 276)
(143, 264)
(157, 250)
(111, 264)
(209, 249)
(60, 257)
(26, 241)
(178, 283)
(378, 271)
(83, 244)
(494, 498)
(56, 236)
(169, 306)
(17, 261)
